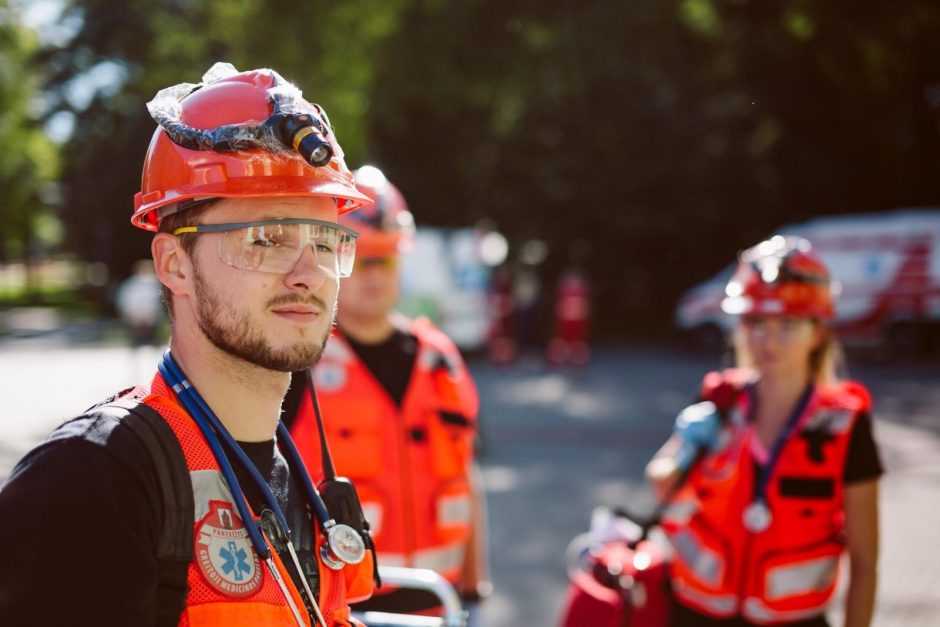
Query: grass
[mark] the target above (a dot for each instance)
(71, 299)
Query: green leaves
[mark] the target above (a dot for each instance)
(671, 130)
(27, 161)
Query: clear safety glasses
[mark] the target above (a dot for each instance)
(783, 328)
(277, 245)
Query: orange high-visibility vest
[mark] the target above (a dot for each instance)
(411, 464)
(228, 583)
(787, 572)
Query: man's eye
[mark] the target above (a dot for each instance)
(265, 241)
(325, 247)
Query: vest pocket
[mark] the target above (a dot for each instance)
(353, 447)
(451, 443)
(796, 583)
(701, 556)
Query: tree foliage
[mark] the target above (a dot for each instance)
(668, 134)
(27, 162)
(142, 46)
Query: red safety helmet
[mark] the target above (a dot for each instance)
(385, 225)
(234, 149)
(780, 276)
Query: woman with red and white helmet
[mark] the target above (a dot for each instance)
(774, 473)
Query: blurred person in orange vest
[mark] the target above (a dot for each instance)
(774, 474)
(569, 341)
(400, 410)
(182, 501)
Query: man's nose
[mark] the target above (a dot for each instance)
(307, 274)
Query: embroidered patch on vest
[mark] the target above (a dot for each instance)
(330, 376)
(224, 553)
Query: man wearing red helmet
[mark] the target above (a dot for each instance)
(774, 474)
(183, 501)
(400, 410)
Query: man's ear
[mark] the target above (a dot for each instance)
(173, 266)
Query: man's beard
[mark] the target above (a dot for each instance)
(233, 332)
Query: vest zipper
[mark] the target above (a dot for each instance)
(409, 531)
(404, 453)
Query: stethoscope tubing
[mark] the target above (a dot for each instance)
(215, 434)
(766, 470)
(289, 449)
(225, 466)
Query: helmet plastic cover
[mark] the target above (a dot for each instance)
(780, 276)
(239, 103)
(386, 227)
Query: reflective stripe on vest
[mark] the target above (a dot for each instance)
(444, 559)
(451, 510)
(707, 564)
(756, 611)
(680, 511)
(373, 513)
(838, 421)
(454, 510)
(813, 575)
(789, 570)
(719, 605)
(208, 485)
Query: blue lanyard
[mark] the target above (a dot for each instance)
(213, 431)
(766, 470)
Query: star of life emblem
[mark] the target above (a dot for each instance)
(330, 376)
(224, 552)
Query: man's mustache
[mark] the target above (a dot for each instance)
(294, 299)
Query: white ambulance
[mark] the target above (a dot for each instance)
(445, 279)
(887, 272)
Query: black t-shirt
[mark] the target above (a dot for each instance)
(862, 462)
(286, 489)
(390, 361)
(79, 521)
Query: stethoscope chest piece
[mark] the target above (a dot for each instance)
(757, 517)
(343, 545)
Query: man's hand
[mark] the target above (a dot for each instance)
(697, 427)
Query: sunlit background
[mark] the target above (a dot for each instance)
(640, 144)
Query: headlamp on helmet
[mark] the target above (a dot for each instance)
(239, 134)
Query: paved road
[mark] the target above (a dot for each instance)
(555, 446)
(559, 445)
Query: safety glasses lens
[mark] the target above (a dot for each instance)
(277, 248)
(783, 329)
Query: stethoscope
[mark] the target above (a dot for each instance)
(342, 544)
(757, 516)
